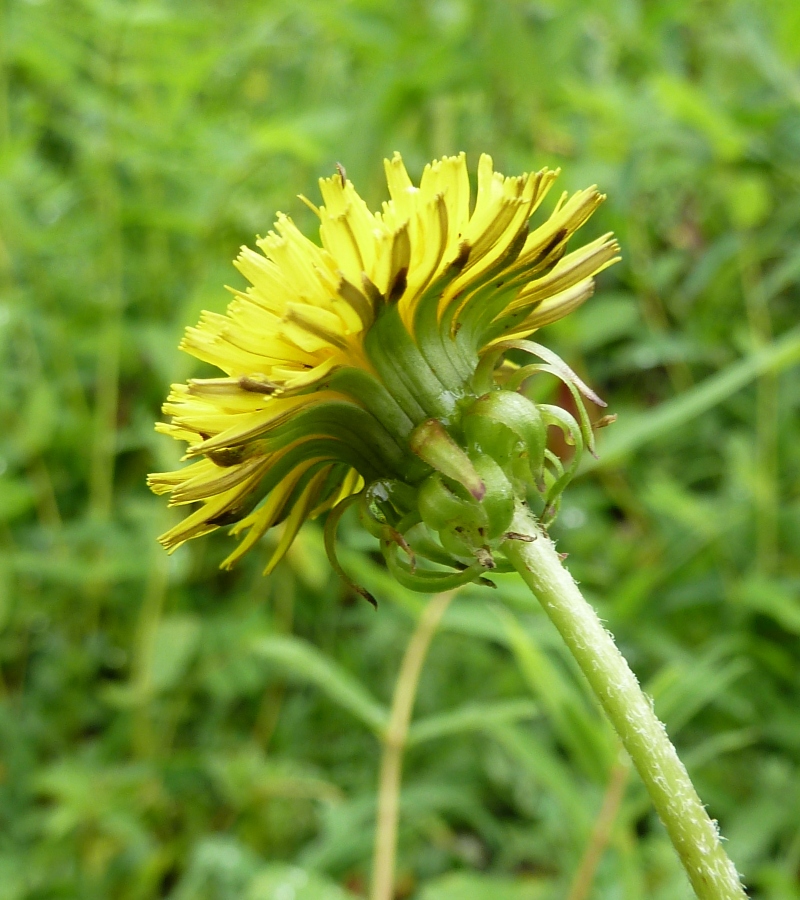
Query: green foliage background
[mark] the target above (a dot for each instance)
(168, 730)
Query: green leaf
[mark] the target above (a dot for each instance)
(173, 649)
(682, 688)
(695, 107)
(748, 199)
(772, 598)
(305, 662)
(16, 498)
(37, 422)
(473, 717)
(579, 727)
(473, 886)
(281, 882)
(550, 772)
(626, 436)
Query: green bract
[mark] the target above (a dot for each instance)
(487, 452)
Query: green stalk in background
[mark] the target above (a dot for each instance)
(395, 738)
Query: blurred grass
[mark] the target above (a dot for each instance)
(162, 728)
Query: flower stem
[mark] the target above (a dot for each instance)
(693, 834)
(582, 882)
(394, 743)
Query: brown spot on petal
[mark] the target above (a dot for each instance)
(256, 385)
(398, 288)
(227, 457)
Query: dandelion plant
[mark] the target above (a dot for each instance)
(372, 370)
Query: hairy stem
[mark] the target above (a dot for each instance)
(394, 742)
(693, 834)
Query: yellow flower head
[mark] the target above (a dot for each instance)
(367, 364)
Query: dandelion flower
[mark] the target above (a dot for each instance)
(371, 367)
